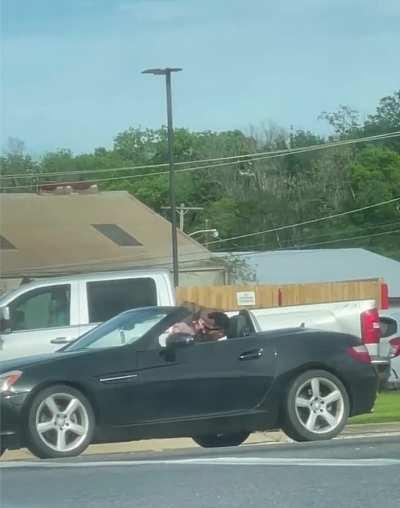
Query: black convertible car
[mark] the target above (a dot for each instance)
(130, 379)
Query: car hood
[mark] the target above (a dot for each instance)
(28, 361)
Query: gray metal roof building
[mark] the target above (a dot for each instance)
(323, 265)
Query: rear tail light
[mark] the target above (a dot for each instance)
(359, 353)
(384, 296)
(370, 327)
(394, 347)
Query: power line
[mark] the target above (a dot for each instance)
(163, 261)
(304, 246)
(393, 231)
(234, 158)
(310, 221)
(319, 237)
(213, 166)
(128, 177)
(84, 171)
(92, 264)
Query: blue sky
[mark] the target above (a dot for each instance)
(71, 68)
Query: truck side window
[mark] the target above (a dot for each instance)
(108, 298)
(388, 326)
(47, 307)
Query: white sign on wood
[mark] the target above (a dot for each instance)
(244, 298)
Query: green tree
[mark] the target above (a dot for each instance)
(15, 163)
(386, 119)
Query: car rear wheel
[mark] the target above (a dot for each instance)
(316, 408)
(216, 440)
(60, 423)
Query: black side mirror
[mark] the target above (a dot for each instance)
(178, 340)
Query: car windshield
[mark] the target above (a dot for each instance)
(126, 328)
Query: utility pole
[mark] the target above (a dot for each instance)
(182, 210)
(167, 73)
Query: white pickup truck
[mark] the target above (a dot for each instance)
(390, 345)
(43, 315)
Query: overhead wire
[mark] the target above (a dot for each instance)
(93, 264)
(304, 246)
(371, 235)
(217, 159)
(250, 248)
(236, 159)
(159, 262)
(186, 170)
(303, 223)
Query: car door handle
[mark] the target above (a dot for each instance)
(254, 354)
(60, 340)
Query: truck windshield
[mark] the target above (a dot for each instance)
(126, 328)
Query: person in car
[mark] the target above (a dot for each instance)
(204, 325)
(58, 308)
(191, 325)
(214, 326)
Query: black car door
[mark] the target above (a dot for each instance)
(205, 378)
(113, 372)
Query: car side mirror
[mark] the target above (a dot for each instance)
(4, 319)
(179, 340)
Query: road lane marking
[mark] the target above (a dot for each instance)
(219, 461)
(288, 440)
(370, 435)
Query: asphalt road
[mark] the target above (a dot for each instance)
(362, 472)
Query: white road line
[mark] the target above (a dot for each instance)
(220, 461)
(370, 435)
(287, 440)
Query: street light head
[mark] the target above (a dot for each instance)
(161, 72)
(156, 72)
(214, 232)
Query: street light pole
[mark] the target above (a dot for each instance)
(172, 195)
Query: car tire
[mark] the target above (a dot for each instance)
(219, 440)
(60, 423)
(316, 407)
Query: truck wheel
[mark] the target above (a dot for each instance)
(316, 407)
(216, 440)
(60, 423)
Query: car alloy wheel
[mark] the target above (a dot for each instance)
(319, 405)
(62, 422)
(316, 407)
